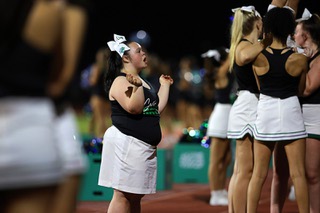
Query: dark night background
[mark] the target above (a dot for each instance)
(175, 28)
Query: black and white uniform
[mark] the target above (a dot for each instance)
(311, 111)
(218, 120)
(29, 155)
(279, 114)
(243, 111)
(129, 158)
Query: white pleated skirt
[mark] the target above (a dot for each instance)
(70, 143)
(29, 155)
(127, 164)
(218, 121)
(311, 117)
(279, 119)
(242, 115)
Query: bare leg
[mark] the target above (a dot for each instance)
(28, 200)
(279, 3)
(244, 158)
(296, 153)
(279, 185)
(262, 156)
(219, 149)
(65, 200)
(230, 190)
(123, 202)
(293, 4)
(219, 161)
(313, 175)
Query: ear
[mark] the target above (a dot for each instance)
(125, 59)
(259, 26)
(304, 36)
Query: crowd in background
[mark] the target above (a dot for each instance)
(190, 103)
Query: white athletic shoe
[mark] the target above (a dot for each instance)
(292, 195)
(219, 198)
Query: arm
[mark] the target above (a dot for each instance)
(260, 66)
(74, 23)
(304, 66)
(163, 93)
(94, 74)
(222, 74)
(247, 52)
(312, 78)
(128, 92)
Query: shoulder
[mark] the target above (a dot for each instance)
(261, 58)
(119, 86)
(298, 59)
(243, 44)
(120, 80)
(315, 62)
(297, 63)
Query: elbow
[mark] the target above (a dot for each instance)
(135, 110)
(306, 93)
(247, 59)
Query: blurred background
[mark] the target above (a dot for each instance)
(175, 36)
(168, 30)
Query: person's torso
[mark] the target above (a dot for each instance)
(26, 56)
(314, 98)
(222, 95)
(144, 126)
(245, 77)
(277, 82)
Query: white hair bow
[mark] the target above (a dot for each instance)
(249, 9)
(117, 44)
(211, 53)
(305, 15)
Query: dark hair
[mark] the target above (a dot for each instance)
(114, 68)
(312, 25)
(280, 22)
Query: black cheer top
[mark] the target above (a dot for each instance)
(314, 98)
(24, 70)
(277, 82)
(245, 77)
(144, 126)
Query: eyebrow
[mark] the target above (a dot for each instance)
(138, 49)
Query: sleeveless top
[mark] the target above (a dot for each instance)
(222, 95)
(144, 126)
(314, 98)
(24, 68)
(25, 71)
(277, 82)
(245, 77)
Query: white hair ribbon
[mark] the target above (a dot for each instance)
(212, 53)
(117, 44)
(249, 9)
(305, 15)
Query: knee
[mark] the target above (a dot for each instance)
(313, 177)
